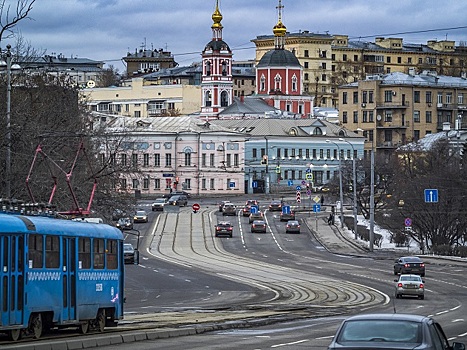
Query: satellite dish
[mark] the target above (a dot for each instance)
(91, 84)
(378, 117)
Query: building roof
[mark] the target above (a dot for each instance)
(217, 45)
(426, 78)
(426, 143)
(248, 106)
(279, 58)
(161, 125)
(283, 127)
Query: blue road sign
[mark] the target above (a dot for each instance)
(254, 209)
(408, 222)
(308, 170)
(316, 208)
(431, 195)
(298, 188)
(254, 184)
(303, 182)
(286, 209)
(290, 182)
(232, 184)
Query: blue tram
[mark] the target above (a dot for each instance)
(59, 273)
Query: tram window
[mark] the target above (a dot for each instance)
(20, 253)
(99, 253)
(112, 261)
(84, 253)
(5, 294)
(13, 254)
(6, 255)
(35, 251)
(52, 252)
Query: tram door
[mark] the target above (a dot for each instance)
(12, 279)
(69, 278)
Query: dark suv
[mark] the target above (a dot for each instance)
(179, 200)
(224, 228)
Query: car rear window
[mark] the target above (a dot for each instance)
(380, 331)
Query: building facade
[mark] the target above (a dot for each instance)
(142, 101)
(395, 109)
(332, 60)
(145, 61)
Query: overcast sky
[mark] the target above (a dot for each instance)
(106, 30)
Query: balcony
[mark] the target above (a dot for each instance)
(393, 105)
(156, 112)
(388, 144)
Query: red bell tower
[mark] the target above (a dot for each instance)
(216, 83)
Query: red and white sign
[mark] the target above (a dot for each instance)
(195, 207)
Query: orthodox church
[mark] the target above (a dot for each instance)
(278, 80)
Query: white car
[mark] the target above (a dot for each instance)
(410, 285)
(158, 204)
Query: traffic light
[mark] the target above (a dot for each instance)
(264, 160)
(307, 186)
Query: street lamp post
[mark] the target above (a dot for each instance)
(340, 182)
(355, 211)
(8, 124)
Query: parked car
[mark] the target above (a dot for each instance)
(224, 228)
(409, 264)
(292, 226)
(124, 224)
(391, 331)
(229, 209)
(158, 204)
(258, 226)
(221, 205)
(287, 216)
(255, 216)
(179, 200)
(140, 216)
(128, 253)
(410, 285)
(275, 206)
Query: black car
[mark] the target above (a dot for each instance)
(409, 265)
(224, 228)
(128, 253)
(293, 226)
(391, 331)
(287, 216)
(179, 200)
(177, 193)
(275, 206)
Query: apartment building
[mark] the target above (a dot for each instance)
(332, 60)
(397, 108)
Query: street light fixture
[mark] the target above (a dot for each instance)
(340, 182)
(355, 211)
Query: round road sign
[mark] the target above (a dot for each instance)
(195, 206)
(408, 222)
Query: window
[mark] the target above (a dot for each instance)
(355, 97)
(355, 117)
(187, 159)
(460, 99)
(207, 98)
(388, 96)
(124, 184)
(416, 116)
(157, 160)
(255, 153)
(35, 253)
(277, 82)
(428, 117)
(123, 160)
(203, 160)
(323, 77)
(84, 253)
(224, 99)
(211, 160)
(370, 97)
(52, 252)
(344, 57)
(236, 160)
(137, 114)
(416, 96)
(134, 160)
(112, 254)
(262, 83)
(365, 117)
(344, 98)
(428, 97)
(388, 59)
(416, 135)
(399, 59)
(145, 159)
(344, 117)
(229, 160)
(135, 184)
(409, 60)
(99, 253)
(146, 184)
(364, 96)
(188, 184)
(449, 97)
(211, 184)
(323, 65)
(440, 97)
(305, 65)
(157, 184)
(203, 184)
(388, 116)
(305, 76)
(355, 58)
(306, 53)
(371, 116)
(294, 83)
(168, 160)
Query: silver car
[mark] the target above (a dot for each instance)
(410, 285)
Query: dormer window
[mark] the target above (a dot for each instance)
(293, 132)
(317, 131)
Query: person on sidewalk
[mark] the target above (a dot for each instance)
(330, 219)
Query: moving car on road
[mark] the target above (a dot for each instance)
(179, 200)
(258, 226)
(124, 224)
(391, 331)
(255, 216)
(224, 228)
(287, 216)
(128, 253)
(158, 204)
(275, 206)
(140, 216)
(410, 285)
(409, 264)
(229, 209)
(292, 226)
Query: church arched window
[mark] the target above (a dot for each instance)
(207, 98)
(294, 83)
(224, 99)
(208, 68)
(262, 83)
(277, 82)
(224, 68)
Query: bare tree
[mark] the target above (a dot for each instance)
(10, 17)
